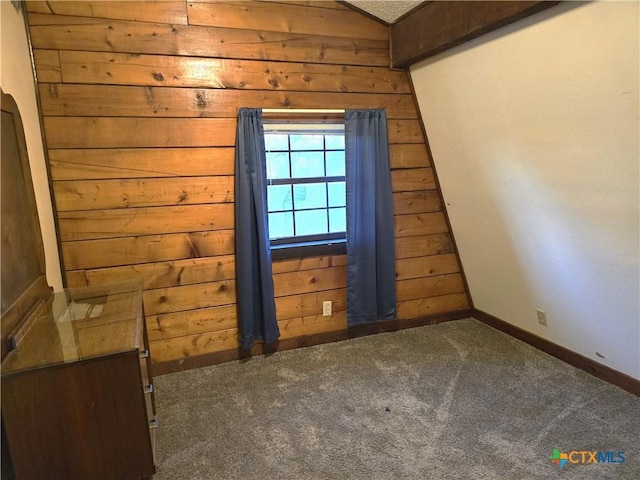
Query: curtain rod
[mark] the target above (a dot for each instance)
(302, 110)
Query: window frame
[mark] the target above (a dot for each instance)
(331, 243)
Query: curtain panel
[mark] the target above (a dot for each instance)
(254, 283)
(371, 289)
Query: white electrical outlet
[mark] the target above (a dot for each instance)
(542, 317)
(326, 308)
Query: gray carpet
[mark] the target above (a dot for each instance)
(457, 400)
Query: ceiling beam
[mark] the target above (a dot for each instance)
(437, 26)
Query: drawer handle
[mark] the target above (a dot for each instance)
(148, 388)
(144, 354)
(153, 423)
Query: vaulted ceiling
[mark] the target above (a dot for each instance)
(388, 10)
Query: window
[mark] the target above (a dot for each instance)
(306, 194)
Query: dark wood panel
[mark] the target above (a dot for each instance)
(438, 26)
(48, 410)
(22, 252)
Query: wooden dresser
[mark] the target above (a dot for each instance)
(77, 397)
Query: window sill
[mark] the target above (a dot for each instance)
(308, 249)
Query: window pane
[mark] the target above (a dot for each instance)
(334, 142)
(307, 164)
(279, 198)
(337, 194)
(280, 225)
(301, 209)
(310, 195)
(337, 220)
(307, 142)
(335, 164)
(310, 222)
(275, 141)
(278, 165)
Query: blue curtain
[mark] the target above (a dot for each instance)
(371, 289)
(254, 284)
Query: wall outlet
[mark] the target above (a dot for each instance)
(326, 308)
(542, 318)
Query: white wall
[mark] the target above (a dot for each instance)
(17, 80)
(535, 137)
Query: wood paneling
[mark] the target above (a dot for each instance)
(127, 222)
(432, 305)
(416, 202)
(115, 132)
(164, 274)
(176, 71)
(438, 26)
(418, 246)
(306, 20)
(305, 281)
(48, 65)
(415, 179)
(148, 248)
(99, 164)
(414, 289)
(94, 34)
(139, 103)
(121, 101)
(201, 295)
(409, 156)
(405, 131)
(420, 224)
(145, 192)
(146, 11)
(426, 266)
(190, 345)
(309, 304)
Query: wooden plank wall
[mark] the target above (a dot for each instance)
(139, 101)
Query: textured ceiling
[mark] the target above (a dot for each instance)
(387, 10)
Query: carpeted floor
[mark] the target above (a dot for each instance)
(457, 400)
